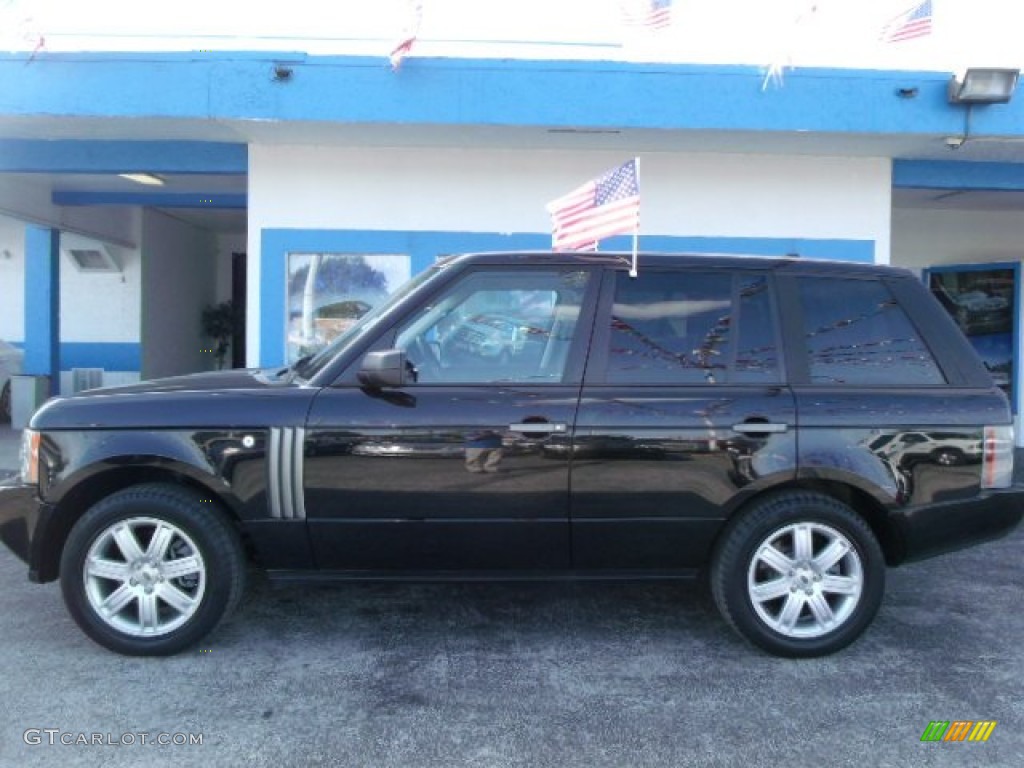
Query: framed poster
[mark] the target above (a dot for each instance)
(983, 299)
(329, 292)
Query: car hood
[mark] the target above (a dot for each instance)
(221, 399)
(253, 378)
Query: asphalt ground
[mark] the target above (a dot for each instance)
(523, 675)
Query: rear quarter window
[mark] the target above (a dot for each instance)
(856, 333)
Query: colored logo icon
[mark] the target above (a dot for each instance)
(958, 730)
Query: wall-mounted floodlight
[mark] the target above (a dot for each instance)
(983, 86)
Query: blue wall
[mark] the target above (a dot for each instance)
(489, 92)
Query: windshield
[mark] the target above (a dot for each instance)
(309, 367)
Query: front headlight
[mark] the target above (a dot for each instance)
(30, 457)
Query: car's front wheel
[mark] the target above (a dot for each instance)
(799, 574)
(151, 570)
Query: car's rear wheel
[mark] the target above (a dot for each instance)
(799, 574)
(151, 570)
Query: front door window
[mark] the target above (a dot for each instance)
(497, 327)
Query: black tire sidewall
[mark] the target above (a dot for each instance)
(202, 522)
(732, 562)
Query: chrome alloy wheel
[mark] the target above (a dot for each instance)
(805, 580)
(144, 577)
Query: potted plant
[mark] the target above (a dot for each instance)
(219, 325)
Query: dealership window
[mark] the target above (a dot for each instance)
(982, 299)
(329, 292)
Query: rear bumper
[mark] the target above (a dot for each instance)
(949, 526)
(20, 513)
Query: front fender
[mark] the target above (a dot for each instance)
(227, 463)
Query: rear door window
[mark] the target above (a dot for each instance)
(692, 327)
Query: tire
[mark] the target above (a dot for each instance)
(157, 548)
(795, 604)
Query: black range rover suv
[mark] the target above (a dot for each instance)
(510, 416)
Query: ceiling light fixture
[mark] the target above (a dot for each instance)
(150, 179)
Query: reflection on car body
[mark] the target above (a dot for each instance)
(945, 448)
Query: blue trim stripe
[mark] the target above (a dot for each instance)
(71, 156)
(108, 355)
(152, 199)
(489, 92)
(947, 174)
(425, 247)
(111, 356)
(42, 310)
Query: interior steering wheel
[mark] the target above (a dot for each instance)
(420, 354)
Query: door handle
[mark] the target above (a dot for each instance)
(539, 428)
(759, 428)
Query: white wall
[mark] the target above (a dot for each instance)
(713, 195)
(95, 307)
(928, 238)
(756, 32)
(100, 306)
(12, 279)
(179, 278)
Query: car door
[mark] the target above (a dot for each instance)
(684, 413)
(467, 468)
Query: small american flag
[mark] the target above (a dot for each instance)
(912, 23)
(410, 31)
(653, 14)
(605, 206)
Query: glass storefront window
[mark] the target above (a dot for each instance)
(329, 292)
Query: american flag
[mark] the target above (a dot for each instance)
(912, 23)
(653, 14)
(605, 206)
(410, 31)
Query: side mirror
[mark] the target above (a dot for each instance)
(387, 368)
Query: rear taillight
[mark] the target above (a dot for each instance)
(997, 464)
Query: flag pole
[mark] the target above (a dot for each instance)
(636, 228)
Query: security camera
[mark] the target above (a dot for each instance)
(955, 142)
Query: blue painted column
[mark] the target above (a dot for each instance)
(42, 304)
